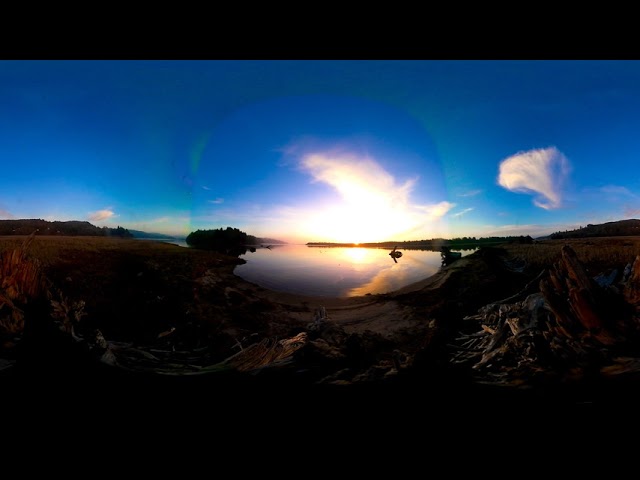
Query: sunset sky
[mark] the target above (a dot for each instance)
(349, 151)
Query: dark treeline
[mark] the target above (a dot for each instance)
(230, 241)
(610, 229)
(71, 228)
(436, 244)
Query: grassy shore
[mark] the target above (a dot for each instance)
(598, 254)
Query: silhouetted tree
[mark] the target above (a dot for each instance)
(230, 241)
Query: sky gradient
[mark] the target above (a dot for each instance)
(349, 151)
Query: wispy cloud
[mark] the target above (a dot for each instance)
(217, 201)
(462, 212)
(437, 210)
(541, 172)
(617, 190)
(631, 212)
(617, 193)
(5, 215)
(357, 180)
(470, 193)
(101, 215)
(159, 220)
(204, 187)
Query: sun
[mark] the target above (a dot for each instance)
(358, 223)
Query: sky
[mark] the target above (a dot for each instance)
(322, 150)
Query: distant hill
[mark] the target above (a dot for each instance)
(621, 228)
(436, 244)
(71, 228)
(159, 236)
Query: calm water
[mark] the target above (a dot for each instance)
(336, 272)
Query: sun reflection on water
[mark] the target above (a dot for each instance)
(358, 255)
(337, 271)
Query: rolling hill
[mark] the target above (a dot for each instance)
(619, 228)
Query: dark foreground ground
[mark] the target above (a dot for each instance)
(342, 382)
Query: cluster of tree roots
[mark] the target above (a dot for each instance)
(563, 326)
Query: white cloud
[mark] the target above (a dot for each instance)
(217, 201)
(462, 212)
(540, 172)
(357, 180)
(204, 187)
(101, 215)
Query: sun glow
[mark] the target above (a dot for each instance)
(359, 223)
(373, 206)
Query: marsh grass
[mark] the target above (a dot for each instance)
(597, 254)
(50, 250)
(132, 289)
(21, 282)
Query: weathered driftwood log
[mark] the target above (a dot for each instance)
(577, 301)
(265, 353)
(573, 323)
(631, 290)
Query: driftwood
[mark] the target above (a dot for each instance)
(269, 352)
(572, 295)
(632, 285)
(572, 324)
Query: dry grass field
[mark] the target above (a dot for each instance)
(133, 289)
(598, 254)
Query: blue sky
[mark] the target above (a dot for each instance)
(303, 151)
